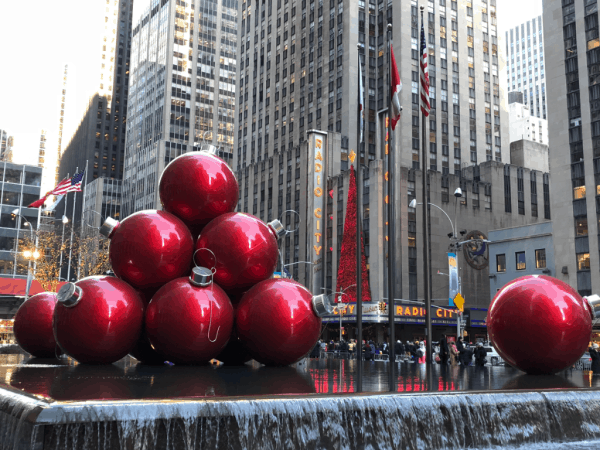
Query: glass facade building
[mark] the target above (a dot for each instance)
(525, 70)
(181, 91)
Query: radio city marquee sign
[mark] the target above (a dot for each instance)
(405, 313)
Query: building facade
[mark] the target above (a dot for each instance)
(99, 140)
(520, 251)
(20, 187)
(573, 68)
(181, 92)
(102, 199)
(522, 125)
(525, 68)
(5, 146)
(299, 70)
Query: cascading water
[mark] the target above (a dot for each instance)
(409, 421)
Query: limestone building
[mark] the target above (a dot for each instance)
(573, 72)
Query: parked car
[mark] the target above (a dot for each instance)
(493, 357)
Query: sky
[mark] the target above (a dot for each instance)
(37, 41)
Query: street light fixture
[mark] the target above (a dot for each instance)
(458, 192)
(65, 219)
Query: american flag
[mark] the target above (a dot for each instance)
(425, 106)
(72, 184)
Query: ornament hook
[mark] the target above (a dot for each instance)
(290, 211)
(213, 269)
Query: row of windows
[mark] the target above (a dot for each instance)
(520, 260)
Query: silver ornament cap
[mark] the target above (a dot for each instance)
(201, 277)
(594, 302)
(209, 148)
(108, 227)
(321, 305)
(69, 295)
(277, 228)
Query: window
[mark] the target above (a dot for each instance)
(520, 259)
(581, 226)
(540, 259)
(583, 261)
(501, 263)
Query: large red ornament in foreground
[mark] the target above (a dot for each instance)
(277, 321)
(539, 324)
(245, 249)
(189, 321)
(98, 320)
(198, 187)
(33, 325)
(149, 248)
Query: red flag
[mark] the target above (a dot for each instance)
(395, 89)
(39, 202)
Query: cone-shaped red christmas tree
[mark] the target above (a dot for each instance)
(347, 270)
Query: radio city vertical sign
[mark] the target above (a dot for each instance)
(317, 163)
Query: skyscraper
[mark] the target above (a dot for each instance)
(182, 90)
(299, 71)
(6, 144)
(525, 71)
(61, 123)
(99, 139)
(573, 73)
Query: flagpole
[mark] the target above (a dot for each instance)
(62, 241)
(72, 229)
(391, 224)
(82, 211)
(425, 201)
(359, 305)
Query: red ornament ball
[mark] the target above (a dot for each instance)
(33, 325)
(539, 324)
(189, 321)
(245, 249)
(198, 187)
(276, 323)
(149, 248)
(98, 320)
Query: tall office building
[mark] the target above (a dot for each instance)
(99, 140)
(525, 71)
(299, 71)
(573, 54)
(61, 123)
(182, 90)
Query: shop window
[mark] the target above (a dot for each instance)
(540, 259)
(583, 261)
(520, 259)
(501, 263)
(581, 226)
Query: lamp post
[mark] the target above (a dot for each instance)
(16, 213)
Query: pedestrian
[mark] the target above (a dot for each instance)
(480, 354)
(367, 352)
(399, 349)
(453, 354)
(468, 355)
(444, 353)
(331, 346)
(385, 350)
(461, 350)
(413, 351)
(595, 355)
(315, 351)
(421, 353)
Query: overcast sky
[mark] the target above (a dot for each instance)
(37, 39)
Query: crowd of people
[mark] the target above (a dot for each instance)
(454, 353)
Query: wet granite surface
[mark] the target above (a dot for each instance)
(64, 380)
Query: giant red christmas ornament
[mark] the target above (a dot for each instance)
(279, 321)
(539, 324)
(33, 325)
(149, 248)
(189, 321)
(98, 320)
(198, 187)
(245, 249)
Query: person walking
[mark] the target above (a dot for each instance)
(480, 354)
(595, 356)
(467, 356)
(368, 353)
(316, 350)
(460, 346)
(421, 353)
(399, 349)
(444, 353)
(453, 354)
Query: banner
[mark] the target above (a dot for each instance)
(317, 178)
(453, 275)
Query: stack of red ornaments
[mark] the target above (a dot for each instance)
(193, 282)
